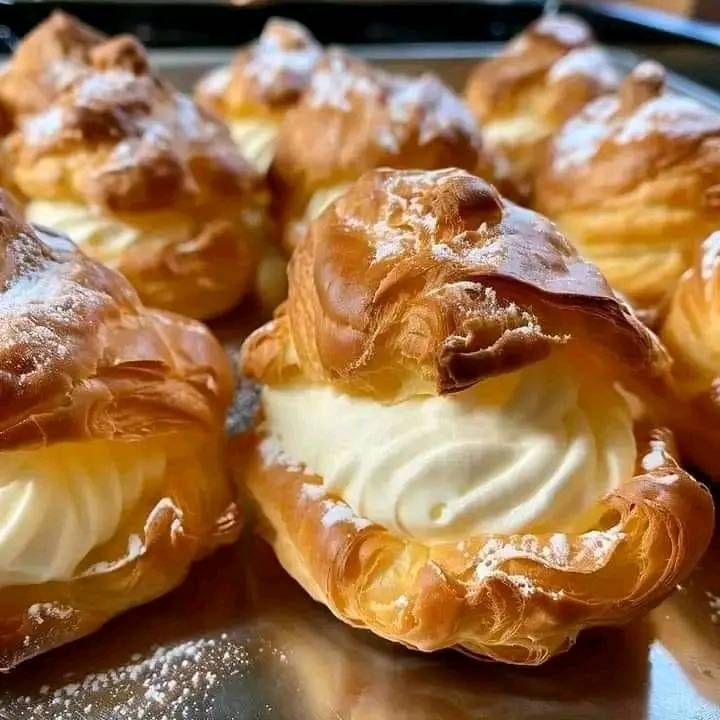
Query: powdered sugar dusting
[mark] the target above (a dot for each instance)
(273, 62)
(43, 127)
(564, 29)
(591, 62)
(216, 82)
(336, 512)
(272, 453)
(179, 681)
(334, 84)
(671, 116)
(581, 137)
(656, 457)
(710, 258)
(556, 552)
(440, 113)
(39, 612)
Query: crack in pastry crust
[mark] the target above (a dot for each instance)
(84, 365)
(405, 274)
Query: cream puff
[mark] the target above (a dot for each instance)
(146, 182)
(112, 473)
(353, 118)
(47, 60)
(449, 450)
(633, 182)
(691, 332)
(263, 82)
(542, 78)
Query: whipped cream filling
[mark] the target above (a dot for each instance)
(103, 237)
(256, 139)
(323, 198)
(529, 451)
(521, 129)
(60, 502)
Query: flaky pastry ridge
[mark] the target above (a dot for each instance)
(430, 282)
(542, 78)
(634, 182)
(354, 117)
(131, 152)
(84, 365)
(691, 332)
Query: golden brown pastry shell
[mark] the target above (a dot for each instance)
(520, 83)
(353, 118)
(509, 598)
(690, 331)
(129, 147)
(80, 360)
(265, 78)
(47, 59)
(430, 282)
(633, 181)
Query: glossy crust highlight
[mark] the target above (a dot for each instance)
(431, 282)
(82, 360)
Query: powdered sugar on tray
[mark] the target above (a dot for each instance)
(178, 681)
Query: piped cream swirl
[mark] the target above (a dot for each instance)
(529, 451)
(59, 503)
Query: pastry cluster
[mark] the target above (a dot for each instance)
(460, 438)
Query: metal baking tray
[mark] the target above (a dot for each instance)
(241, 641)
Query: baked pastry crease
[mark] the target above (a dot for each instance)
(112, 476)
(524, 95)
(144, 181)
(352, 118)
(422, 304)
(633, 181)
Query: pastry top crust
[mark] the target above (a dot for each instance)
(120, 138)
(46, 61)
(267, 76)
(556, 55)
(618, 142)
(431, 279)
(81, 358)
(354, 117)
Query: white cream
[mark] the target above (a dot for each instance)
(531, 451)
(60, 502)
(102, 236)
(256, 139)
(522, 129)
(323, 198)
